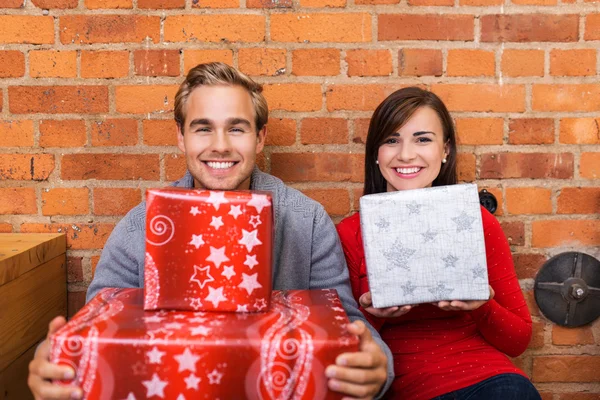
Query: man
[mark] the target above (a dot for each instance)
(221, 118)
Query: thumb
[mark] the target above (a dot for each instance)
(365, 300)
(364, 334)
(56, 324)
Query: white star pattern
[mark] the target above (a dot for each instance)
(250, 261)
(198, 272)
(228, 272)
(215, 296)
(187, 361)
(255, 221)
(249, 239)
(199, 330)
(155, 355)
(217, 256)
(194, 211)
(191, 382)
(217, 222)
(155, 387)
(197, 319)
(338, 309)
(259, 201)
(216, 199)
(195, 303)
(196, 241)
(131, 396)
(214, 377)
(260, 304)
(154, 318)
(173, 325)
(250, 283)
(235, 211)
(242, 308)
(180, 397)
(179, 316)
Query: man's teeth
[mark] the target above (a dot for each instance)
(219, 165)
(408, 170)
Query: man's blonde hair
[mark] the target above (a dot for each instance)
(218, 73)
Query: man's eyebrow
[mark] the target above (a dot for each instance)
(238, 121)
(200, 121)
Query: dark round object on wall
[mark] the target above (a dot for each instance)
(488, 201)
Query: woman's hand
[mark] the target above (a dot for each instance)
(457, 305)
(388, 312)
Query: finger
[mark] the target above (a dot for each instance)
(365, 300)
(47, 370)
(492, 293)
(361, 376)
(50, 391)
(352, 389)
(56, 324)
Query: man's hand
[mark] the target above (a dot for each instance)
(469, 305)
(42, 371)
(362, 374)
(388, 312)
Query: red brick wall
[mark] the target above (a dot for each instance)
(86, 98)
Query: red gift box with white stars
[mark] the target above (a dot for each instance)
(119, 351)
(208, 250)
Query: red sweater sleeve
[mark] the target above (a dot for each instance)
(503, 321)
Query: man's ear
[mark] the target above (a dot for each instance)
(180, 141)
(261, 137)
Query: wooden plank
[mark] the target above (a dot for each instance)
(28, 304)
(21, 252)
(13, 380)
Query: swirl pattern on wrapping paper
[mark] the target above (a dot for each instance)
(73, 346)
(161, 226)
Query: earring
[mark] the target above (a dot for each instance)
(376, 161)
(444, 160)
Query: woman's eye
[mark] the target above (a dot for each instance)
(391, 141)
(423, 140)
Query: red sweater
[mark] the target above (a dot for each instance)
(436, 351)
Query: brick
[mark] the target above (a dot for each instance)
(104, 64)
(527, 265)
(191, 58)
(87, 29)
(262, 61)
(526, 165)
(216, 3)
(49, 4)
(66, 201)
(315, 167)
(573, 62)
(375, 2)
(64, 133)
(531, 131)
(481, 2)
(469, 62)
(115, 132)
(26, 29)
(589, 165)
(74, 269)
(18, 200)
(53, 64)
(431, 2)
(316, 62)
(12, 4)
(294, 96)
(110, 166)
(156, 62)
(17, 133)
(358, 97)
(425, 27)
(58, 99)
(529, 28)
(517, 62)
(481, 97)
(335, 201)
(592, 27)
(361, 130)
(537, 336)
(159, 132)
(281, 132)
(115, 201)
(477, 131)
(322, 3)
(175, 166)
(6, 228)
(514, 232)
(579, 395)
(94, 4)
(585, 97)
(535, 2)
(319, 28)
(324, 131)
(79, 236)
(268, 3)
(75, 301)
(579, 200)
(94, 260)
(564, 233)
(565, 368)
(160, 4)
(465, 167)
(214, 28)
(563, 336)
(138, 99)
(12, 64)
(528, 200)
(580, 130)
(369, 62)
(531, 304)
(420, 62)
(35, 167)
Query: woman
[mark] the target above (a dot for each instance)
(450, 349)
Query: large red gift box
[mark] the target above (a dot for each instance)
(120, 351)
(208, 250)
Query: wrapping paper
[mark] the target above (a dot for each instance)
(208, 250)
(424, 245)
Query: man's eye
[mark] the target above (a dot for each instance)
(238, 130)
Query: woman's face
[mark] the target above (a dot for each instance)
(411, 158)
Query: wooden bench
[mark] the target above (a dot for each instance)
(33, 290)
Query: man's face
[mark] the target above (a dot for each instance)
(219, 138)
